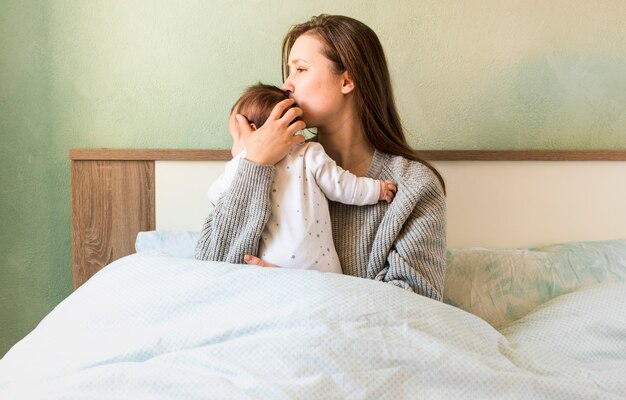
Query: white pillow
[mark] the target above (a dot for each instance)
(503, 285)
(174, 243)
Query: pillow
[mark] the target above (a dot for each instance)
(174, 243)
(503, 285)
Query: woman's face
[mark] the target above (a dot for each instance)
(313, 84)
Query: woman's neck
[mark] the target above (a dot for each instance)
(349, 147)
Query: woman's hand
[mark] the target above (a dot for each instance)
(252, 260)
(271, 142)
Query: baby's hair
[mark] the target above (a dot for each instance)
(257, 102)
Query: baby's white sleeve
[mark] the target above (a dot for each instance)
(222, 183)
(337, 183)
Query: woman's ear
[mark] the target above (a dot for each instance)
(347, 84)
(254, 128)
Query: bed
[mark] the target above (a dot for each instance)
(534, 301)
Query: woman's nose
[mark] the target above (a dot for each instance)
(287, 87)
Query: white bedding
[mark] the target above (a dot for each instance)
(157, 327)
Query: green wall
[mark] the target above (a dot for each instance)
(468, 75)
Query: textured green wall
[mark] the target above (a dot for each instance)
(104, 73)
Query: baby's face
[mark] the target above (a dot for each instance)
(233, 130)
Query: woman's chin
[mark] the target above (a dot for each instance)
(310, 121)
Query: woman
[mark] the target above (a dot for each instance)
(339, 80)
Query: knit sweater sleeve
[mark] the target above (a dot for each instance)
(235, 226)
(417, 259)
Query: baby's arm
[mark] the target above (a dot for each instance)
(343, 186)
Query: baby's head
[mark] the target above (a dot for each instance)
(256, 104)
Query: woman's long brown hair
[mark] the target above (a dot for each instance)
(354, 47)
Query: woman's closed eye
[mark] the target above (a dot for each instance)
(296, 71)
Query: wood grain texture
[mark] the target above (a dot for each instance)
(111, 202)
(431, 155)
(150, 154)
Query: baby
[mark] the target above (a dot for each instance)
(298, 233)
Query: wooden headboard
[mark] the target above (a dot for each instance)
(495, 198)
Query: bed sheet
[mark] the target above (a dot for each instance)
(157, 327)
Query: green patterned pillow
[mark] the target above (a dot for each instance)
(503, 285)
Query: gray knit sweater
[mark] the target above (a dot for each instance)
(402, 242)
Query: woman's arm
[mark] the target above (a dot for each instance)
(417, 258)
(235, 226)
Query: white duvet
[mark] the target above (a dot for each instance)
(155, 327)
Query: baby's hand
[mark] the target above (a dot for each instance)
(388, 189)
